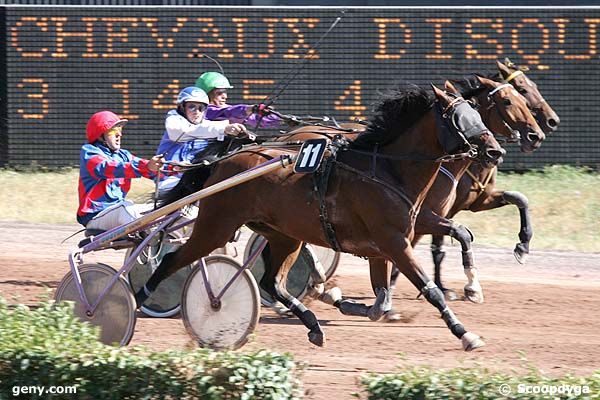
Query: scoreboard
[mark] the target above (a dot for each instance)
(62, 64)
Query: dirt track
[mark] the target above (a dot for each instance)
(547, 308)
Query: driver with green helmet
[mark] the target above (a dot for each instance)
(216, 86)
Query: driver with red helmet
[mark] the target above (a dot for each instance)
(105, 173)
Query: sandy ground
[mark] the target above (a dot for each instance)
(546, 309)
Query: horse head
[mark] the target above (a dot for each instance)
(546, 117)
(510, 116)
(462, 130)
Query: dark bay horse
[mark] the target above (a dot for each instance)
(477, 191)
(505, 112)
(369, 215)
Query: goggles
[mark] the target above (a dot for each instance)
(117, 130)
(219, 92)
(195, 107)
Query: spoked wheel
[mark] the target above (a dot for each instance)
(329, 258)
(298, 277)
(115, 315)
(165, 301)
(228, 325)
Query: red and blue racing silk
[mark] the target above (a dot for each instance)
(105, 178)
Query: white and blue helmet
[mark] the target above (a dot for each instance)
(192, 93)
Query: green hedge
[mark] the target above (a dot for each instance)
(49, 346)
(478, 383)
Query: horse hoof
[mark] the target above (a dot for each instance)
(471, 341)
(317, 338)
(450, 295)
(521, 253)
(475, 296)
(392, 316)
(331, 296)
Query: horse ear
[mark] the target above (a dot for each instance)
(503, 69)
(450, 87)
(485, 81)
(439, 94)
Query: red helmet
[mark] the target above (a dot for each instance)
(101, 122)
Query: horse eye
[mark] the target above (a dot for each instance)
(522, 90)
(507, 102)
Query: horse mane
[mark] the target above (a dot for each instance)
(469, 86)
(396, 111)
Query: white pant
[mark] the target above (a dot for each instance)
(116, 215)
(167, 184)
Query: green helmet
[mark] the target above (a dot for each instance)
(212, 80)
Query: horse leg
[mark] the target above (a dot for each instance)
(283, 252)
(408, 266)
(382, 272)
(472, 289)
(200, 244)
(317, 274)
(526, 232)
(429, 222)
(383, 298)
(499, 198)
(438, 254)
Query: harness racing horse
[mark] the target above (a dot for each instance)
(476, 191)
(505, 112)
(352, 211)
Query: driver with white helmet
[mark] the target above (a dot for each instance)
(188, 132)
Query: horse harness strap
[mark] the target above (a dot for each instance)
(481, 185)
(413, 210)
(321, 183)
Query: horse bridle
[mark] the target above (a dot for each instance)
(515, 135)
(447, 115)
(533, 107)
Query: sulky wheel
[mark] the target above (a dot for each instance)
(227, 324)
(165, 301)
(115, 315)
(298, 277)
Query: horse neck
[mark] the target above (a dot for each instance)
(458, 168)
(484, 110)
(421, 141)
(480, 172)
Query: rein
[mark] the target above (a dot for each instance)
(471, 153)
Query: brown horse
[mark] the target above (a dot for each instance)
(344, 204)
(505, 112)
(477, 191)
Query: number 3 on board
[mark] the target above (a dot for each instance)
(310, 156)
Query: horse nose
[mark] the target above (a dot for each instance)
(552, 123)
(534, 137)
(495, 154)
